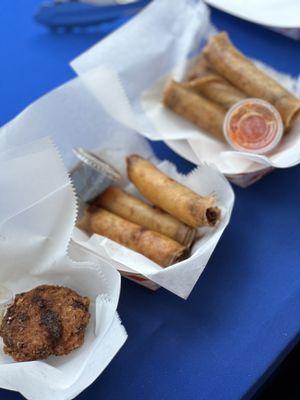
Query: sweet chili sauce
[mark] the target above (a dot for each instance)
(253, 125)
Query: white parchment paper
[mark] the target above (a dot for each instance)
(37, 216)
(142, 56)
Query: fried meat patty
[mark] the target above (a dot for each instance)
(44, 321)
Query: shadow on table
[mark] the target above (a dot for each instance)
(284, 383)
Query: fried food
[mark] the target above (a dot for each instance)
(135, 210)
(47, 320)
(159, 248)
(171, 196)
(204, 81)
(230, 63)
(195, 108)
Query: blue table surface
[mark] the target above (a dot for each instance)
(243, 315)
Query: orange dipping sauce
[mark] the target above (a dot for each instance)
(253, 125)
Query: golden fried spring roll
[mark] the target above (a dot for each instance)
(217, 89)
(178, 200)
(159, 248)
(204, 81)
(195, 108)
(199, 68)
(224, 58)
(131, 208)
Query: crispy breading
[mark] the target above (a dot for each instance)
(47, 320)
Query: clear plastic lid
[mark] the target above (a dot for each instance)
(253, 125)
(92, 176)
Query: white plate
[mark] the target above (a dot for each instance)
(273, 13)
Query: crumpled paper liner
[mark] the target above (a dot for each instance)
(37, 216)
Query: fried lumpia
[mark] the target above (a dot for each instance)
(211, 85)
(132, 209)
(195, 108)
(225, 59)
(215, 88)
(178, 200)
(159, 248)
(199, 68)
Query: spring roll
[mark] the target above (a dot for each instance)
(132, 209)
(225, 59)
(204, 81)
(169, 195)
(216, 89)
(159, 248)
(199, 68)
(195, 108)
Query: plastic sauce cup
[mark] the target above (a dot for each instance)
(6, 299)
(253, 125)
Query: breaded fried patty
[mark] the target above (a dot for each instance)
(44, 321)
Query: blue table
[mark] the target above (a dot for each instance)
(243, 315)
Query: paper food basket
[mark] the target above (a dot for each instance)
(137, 61)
